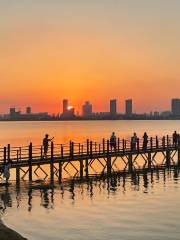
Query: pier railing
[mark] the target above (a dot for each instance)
(89, 148)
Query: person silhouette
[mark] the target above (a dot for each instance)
(133, 142)
(175, 138)
(46, 141)
(145, 141)
(113, 141)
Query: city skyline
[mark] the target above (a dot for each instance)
(93, 50)
(67, 109)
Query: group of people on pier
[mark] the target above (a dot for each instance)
(134, 141)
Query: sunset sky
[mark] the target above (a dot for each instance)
(89, 50)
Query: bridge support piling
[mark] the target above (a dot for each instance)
(60, 171)
(30, 162)
(130, 164)
(86, 167)
(149, 160)
(109, 166)
(81, 169)
(52, 163)
(168, 158)
(17, 170)
(178, 156)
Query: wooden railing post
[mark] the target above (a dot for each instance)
(167, 140)
(178, 156)
(138, 144)
(62, 151)
(123, 146)
(103, 145)
(60, 163)
(118, 144)
(41, 152)
(9, 153)
(91, 149)
(109, 167)
(87, 159)
(157, 142)
(87, 145)
(79, 148)
(163, 142)
(5, 152)
(52, 163)
(151, 143)
(107, 147)
(17, 169)
(72, 150)
(30, 162)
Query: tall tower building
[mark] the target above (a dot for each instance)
(28, 110)
(175, 106)
(87, 109)
(65, 106)
(113, 107)
(129, 107)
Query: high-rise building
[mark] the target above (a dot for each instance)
(28, 110)
(14, 114)
(65, 106)
(87, 109)
(129, 107)
(113, 107)
(175, 106)
(12, 111)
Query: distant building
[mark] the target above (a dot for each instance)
(175, 106)
(129, 107)
(87, 109)
(156, 114)
(65, 106)
(12, 111)
(68, 111)
(28, 110)
(13, 114)
(113, 107)
(166, 113)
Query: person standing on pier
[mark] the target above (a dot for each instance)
(113, 141)
(175, 138)
(46, 141)
(133, 141)
(145, 141)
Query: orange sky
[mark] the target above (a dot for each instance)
(89, 51)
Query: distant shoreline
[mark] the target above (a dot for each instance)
(81, 120)
(9, 234)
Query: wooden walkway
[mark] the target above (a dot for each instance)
(27, 160)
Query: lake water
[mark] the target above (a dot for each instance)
(124, 207)
(22, 133)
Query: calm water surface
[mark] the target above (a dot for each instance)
(22, 133)
(142, 207)
(128, 208)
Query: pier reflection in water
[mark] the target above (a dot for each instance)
(121, 207)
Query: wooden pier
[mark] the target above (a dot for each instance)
(160, 152)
